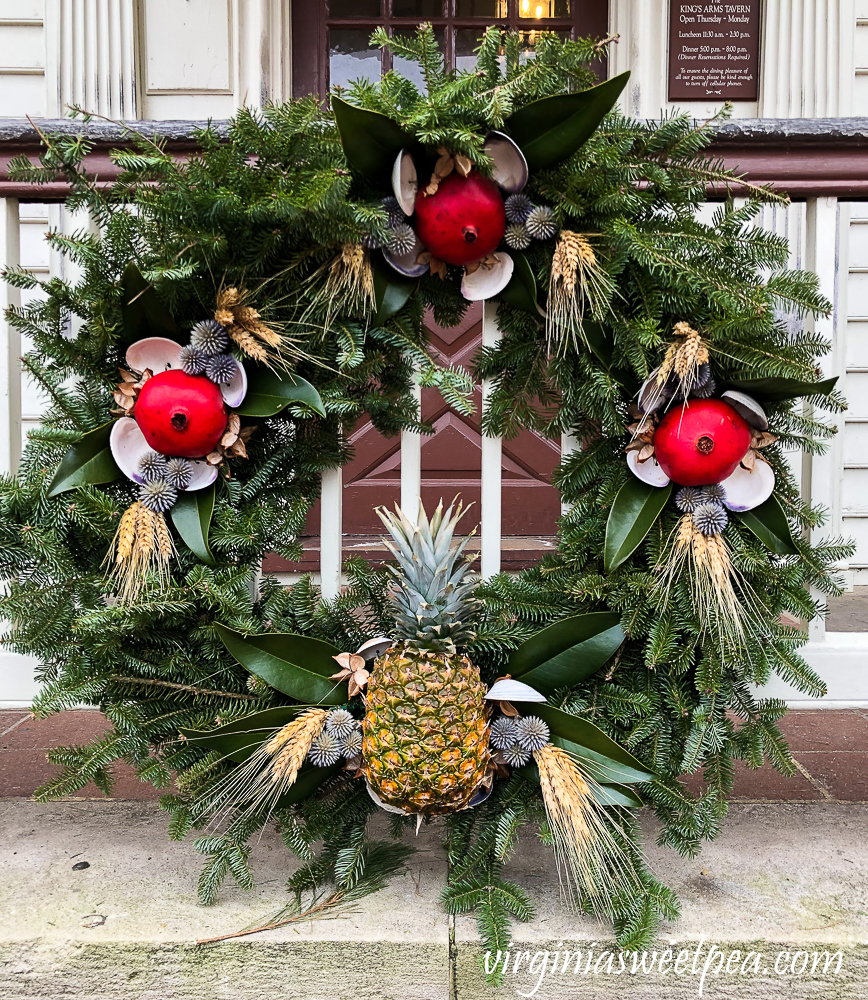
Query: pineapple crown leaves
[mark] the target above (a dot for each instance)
(431, 597)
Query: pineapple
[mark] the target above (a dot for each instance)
(425, 741)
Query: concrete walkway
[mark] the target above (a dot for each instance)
(787, 878)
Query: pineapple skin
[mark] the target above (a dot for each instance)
(425, 734)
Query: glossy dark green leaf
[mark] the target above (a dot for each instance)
(237, 740)
(143, 314)
(552, 129)
(602, 346)
(777, 390)
(607, 761)
(637, 506)
(606, 795)
(567, 652)
(307, 782)
(88, 462)
(391, 290)
(769, 523)
(296, 665)
(521, 291)
(371, 141)
(191, 515)
(269, 392)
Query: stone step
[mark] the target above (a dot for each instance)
(785, 882)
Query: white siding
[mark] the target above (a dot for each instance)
(22, 58)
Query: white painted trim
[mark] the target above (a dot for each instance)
(491, 454)
(411, 464)
(331, 532)
(841, 660)
(10, 342)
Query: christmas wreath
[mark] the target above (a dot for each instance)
(241, 308)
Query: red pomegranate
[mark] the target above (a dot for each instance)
(701, 443)
(464, 221)
(181, 415)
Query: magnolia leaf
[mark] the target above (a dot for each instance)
(521, 290)
(552, 129)
(391, 290)
(237, 740)
(777, 390)
(637, 506)
(567, 652)
(143, 314)
(771, 526)
(191, 515)
(607, 761)
(371, 141)
(88, 462)
(295, 665)
(606, 795)
(269, 393)
(308, 779)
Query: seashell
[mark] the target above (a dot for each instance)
(488, 279)
(479, 796)
(649, 471)
(747, 407)
(373, 648)
(385, 805)
(203, 475)
(405, 182)
(235, 390)
(508, 689)
(509, 170)
(405, 263)
(155, 353)
(748, 489)
(127, 445)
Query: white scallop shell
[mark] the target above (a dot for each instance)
(512, 690)
(648, 471)
(404, 181)
(203, 475)
(746, 490)
(405, 263)
(373, 648)
(127, 445)
(509, 170)
(488, 280)
(747, 407)
(235, 390)
(479, 796)
(155, 353)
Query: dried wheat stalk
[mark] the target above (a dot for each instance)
(577, 283)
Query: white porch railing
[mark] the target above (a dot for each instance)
(840, 658)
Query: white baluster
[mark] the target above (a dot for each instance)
(490, 531)
(10, 342)
(411, 465)
(331, 532)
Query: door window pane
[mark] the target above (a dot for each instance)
(466, 43)
(353, 8)
(412, 70)
(496, 9)
(417, 8)
(543, 9)
(351, 56)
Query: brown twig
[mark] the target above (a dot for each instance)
(335, 899)
(183, 687)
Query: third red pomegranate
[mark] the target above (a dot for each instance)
(464, 221)
(701, 443)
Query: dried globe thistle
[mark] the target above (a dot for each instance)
(517, 207)
(713, 493)
(152, 465)
(710, 518)
(541, 223)
(516, 755)
(192, 360)
(502, 734)
(706, 391)
(688, 498)
(209, 337)
(179, 472)
(351, 744)
(394, 213)
(340, 723)
(325, 750)
(531, 732)
(158, 495)
(517, 237)
(221, 368)
(402, 239)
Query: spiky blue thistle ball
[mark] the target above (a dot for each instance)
(516, 755)
(209, 337)
(502, 733)
(688, 498)
(706, 391)
(402, 239)
(221, 368)
(394, 213)
(158, 496)
(517, 207)
(325, 750)
(179, 472)
(531, 732)
(351, 745)
(192, 360)
(152, 465)
(713, 493)
(340, 723)
(541, 223)
(516, 236)
(710, 518)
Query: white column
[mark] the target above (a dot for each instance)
(569, 444)
(331, 532)
(491, 450)
(411, 465)
(10, 342)
(825, 472)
